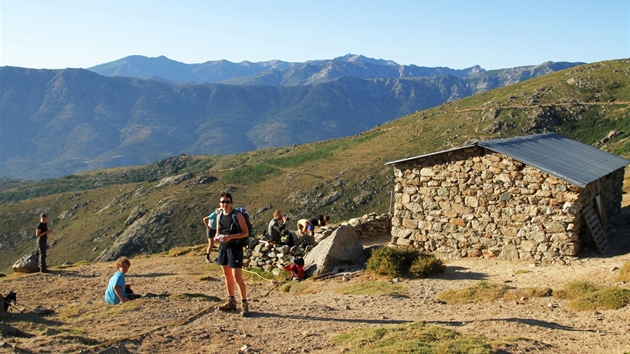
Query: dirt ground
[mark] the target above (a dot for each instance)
(182, 320)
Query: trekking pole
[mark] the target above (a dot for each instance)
(24, 307)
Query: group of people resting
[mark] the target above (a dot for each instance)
(225, 228)
(278, 225)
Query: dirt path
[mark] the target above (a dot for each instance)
(182, 317)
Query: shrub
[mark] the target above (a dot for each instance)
(605, 299)
(408, 261)
(575, 289)
(624, 274)
(588, 296)
(426, 265)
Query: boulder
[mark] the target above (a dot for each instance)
(28, 263)
(340, 249)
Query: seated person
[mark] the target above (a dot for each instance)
(305, 227)
(116, 290)
(320, 220)
(276, 226)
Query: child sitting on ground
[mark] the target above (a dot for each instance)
(116, 290)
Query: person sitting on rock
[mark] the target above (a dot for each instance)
(276, 226)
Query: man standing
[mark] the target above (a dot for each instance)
(41, 233)
(276, 225)
(231, 226)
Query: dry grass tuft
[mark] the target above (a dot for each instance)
(481, 292)
(624, 274)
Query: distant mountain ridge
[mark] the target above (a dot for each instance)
(280, 73)
(58, 122)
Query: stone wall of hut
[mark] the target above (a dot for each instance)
(473, 202)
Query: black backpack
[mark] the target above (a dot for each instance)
(236, 228)
(286, 238)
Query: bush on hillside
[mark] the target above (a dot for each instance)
(404, 262)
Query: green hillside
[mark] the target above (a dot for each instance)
(343, 177)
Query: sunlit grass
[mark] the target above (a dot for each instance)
(586, 296)
(410, 338)
(481, 292)
(374, 287)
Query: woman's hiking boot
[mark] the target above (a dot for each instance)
(244, 309)
(229, 306)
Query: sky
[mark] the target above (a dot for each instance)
(494, 34)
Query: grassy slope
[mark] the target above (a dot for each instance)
(584, 103)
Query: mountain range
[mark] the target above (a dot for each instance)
(138, 110)
(157, 207)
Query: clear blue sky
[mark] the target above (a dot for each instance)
(494, 34)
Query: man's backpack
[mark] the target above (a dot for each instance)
(286, 238)
(235, 228)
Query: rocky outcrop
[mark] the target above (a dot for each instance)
(342, 248)
(167, 181)
(28, 263)
(136, 238)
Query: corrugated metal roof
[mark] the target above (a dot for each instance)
(567, 159)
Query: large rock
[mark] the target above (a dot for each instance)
(340, 249)
(28, 263)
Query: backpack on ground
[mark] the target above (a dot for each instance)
(296, 268)
(287, 238)
(235, 228)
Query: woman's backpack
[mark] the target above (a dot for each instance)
(235, 228)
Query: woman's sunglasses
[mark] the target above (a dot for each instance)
(225, 201)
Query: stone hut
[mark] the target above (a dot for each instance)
(538, 197)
